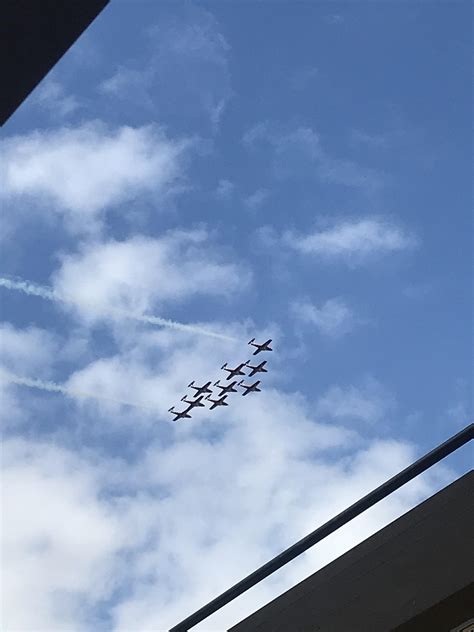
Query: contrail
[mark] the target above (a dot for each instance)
(52, 387)
(32, 289)
(29, 288)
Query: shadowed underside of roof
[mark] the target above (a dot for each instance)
(415, 574)
(34, 35)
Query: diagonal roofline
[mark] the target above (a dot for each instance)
(409, 473)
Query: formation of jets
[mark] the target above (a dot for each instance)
(203, 393)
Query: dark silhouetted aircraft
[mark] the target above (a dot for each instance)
(226, 389)
(180, 415)
(236, 371)
(265, 346)
(193, 402)
(200, 390)
(217, 402)
(260, 368)
(249, 388)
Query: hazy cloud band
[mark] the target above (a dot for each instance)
(49, 294)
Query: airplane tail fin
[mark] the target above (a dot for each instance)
(224, 365)
(225, 404)
(183, 398)
(191, 384)
(258, 389)
(250, 341)
(216, 383)
(170, 410)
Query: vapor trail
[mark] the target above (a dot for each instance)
(32, 289)
(52, 387)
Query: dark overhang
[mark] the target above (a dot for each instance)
(34, 35)
(414, 575)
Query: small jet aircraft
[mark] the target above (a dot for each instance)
(226, 389)
(193, 402)
(217, 402)
(180, 415)
(236, 371)
(260, 368)
(249, 388)
(265, 346)
(200, 390)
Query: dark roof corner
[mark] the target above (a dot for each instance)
(34, 35)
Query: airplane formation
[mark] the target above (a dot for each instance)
(203, 393)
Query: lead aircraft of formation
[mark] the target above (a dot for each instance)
(265, 346)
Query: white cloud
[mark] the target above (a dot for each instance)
(299, 153)
(353, 241)
(368, 402)
(334, 18)
(225, 189)
(33, 289)
(130, 84)
(185, 71)
(26, 350)
(140, 273)
(333, 318)
(58, 538)
(51, 96)
(232, 488)
(256, 199)
(81, 172)
(375, 141)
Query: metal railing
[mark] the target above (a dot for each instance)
(373, 497)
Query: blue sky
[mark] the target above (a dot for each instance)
(293, 170)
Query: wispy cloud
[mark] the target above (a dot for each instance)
(225, 189)
(80, 172)
(27, 350)
(185, 70)
(51, 96)
(353, 241)
(256, 199)
(333, 318)
(375, 141)
(32, 289)
(334, 18)
(140, 273)
(138, 512)
(368, 402)
(53, 387)
(299, 153)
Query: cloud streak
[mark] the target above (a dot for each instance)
(53, 387)
(353, 240)
(47, 293)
